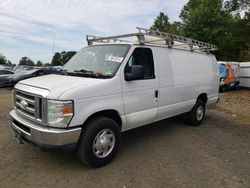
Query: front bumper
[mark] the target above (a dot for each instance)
(45, 137)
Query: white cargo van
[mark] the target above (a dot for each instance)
(112, 86)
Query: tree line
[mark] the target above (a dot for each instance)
(59, 59)
(214, 21)
(4, 61)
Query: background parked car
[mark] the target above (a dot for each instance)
(245, 75)
(223, 75)
(229, 75)
(4, 74)
(236, 67)
(22, 68)
(24, 74)
(58, 68)
(6, 67)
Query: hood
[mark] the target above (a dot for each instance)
(58, 84)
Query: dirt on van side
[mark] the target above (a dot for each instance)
(237, 104)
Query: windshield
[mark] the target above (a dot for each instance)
(98, 60)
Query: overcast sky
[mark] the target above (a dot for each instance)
(27, 27)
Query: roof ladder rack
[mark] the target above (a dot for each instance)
(168, 38)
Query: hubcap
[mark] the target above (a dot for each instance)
(104, 143)
(199, 113)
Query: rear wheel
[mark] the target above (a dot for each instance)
(99, 142)
(196, 115)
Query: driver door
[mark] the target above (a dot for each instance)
(140, 96)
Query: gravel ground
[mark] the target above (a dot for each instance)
(236, 103)
(166, 154)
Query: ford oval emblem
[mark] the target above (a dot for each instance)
(24, 104)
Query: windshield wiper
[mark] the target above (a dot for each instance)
(101, 75)
(86, 73)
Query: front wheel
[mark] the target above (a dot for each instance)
(99, 142)
(196, 115)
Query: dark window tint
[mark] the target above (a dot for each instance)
(36, 73)
(5, 72)
(41, 72)
(144, 57)
(50, 71)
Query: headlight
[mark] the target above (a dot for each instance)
(59, 113)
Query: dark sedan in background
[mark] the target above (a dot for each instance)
(4, 74)
(9, 78)
(13, 79)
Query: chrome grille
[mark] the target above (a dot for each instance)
(29, 105)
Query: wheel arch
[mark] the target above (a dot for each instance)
(109, 113)
(203, 97)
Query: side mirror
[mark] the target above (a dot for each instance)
(137, 73)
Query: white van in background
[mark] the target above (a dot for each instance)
(110, 87)
(245, 75)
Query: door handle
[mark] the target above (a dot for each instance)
(156, 94)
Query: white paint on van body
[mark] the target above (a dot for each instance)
(180, 77)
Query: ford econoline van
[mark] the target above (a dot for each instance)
(112, 86)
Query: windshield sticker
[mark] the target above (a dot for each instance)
(109, 72)
(113, 58)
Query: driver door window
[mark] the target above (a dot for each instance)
(144, 57)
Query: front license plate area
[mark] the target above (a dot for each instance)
(18, 136)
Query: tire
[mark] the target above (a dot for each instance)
(236, 86)
(222, 89)
(99, 142)
(196, 115)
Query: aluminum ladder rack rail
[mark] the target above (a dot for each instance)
(168, 39)
(117, 38)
